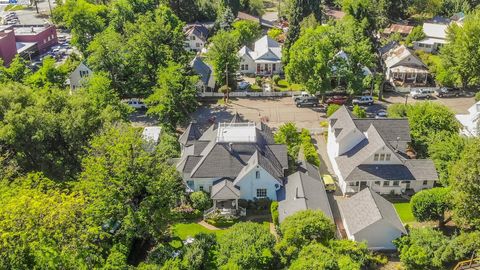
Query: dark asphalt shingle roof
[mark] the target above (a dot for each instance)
(198, 30)
(366, 208)
(202, 69)
(303, 192)
(389, 129)
(191, 134)
(224, 190)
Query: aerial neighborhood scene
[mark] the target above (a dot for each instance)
(240, 134)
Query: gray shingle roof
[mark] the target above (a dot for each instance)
(303, 192)
(379, 172)
(342, 122)
(422, 169)
(202, 69)
(280, 152)
(389, 129)
(224, 190)
(198, 30)
(366, 208)
(237, 118)
(191, 134)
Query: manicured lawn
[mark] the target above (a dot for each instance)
(185, 230)
(404, 211)
(283, 85)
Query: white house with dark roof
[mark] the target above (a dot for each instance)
(367, 216)
(403, 67)
(264, 59)
(242, 153)
(375, 153)
(470, 121)
(196, 37)
(206, 82)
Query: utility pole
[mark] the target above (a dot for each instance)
(226, 81)
(50, 7)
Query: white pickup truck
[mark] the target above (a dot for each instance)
(303, 94)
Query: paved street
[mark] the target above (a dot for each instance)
(457, 105)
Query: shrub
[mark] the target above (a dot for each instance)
(331, 109)
(274, 211)
(477, 96)
(430, 204)
(224, 89)
(324, 124)
(276, 79)
(218, 220)
(258, 81)
(309, 151)
(200, 200)
(359, 112)
(186, 211)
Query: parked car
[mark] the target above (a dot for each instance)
(339, 100)
(381, 114)
(243, 85)
(448, 92)
(136, 104)
(329, 183)
(301, 96)
(421, 93)
(363, 100)
(308, 102)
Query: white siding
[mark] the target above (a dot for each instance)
(249, 184)
(195, 44)
(379, 235)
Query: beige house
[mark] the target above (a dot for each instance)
(404, 68)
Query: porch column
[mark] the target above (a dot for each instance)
(236, 204)
(416, 77)
(426, 77)
(404, 75)
(214, 203)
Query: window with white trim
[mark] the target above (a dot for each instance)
(386, 183)
(200, 188)
(388, 156)
(396, 183)
(257, 174)
(261, 192)
(382, 157)
(425, 182)
(375, 157)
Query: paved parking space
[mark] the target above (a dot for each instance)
(456, 104)
(275, 111)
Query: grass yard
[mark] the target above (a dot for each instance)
(283, 85)
(185, 230)
(12, 7)
(405, 212)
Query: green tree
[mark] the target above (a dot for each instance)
(200, 200)
(199, 254)
(17, 71)
(246, 32)
(445, 150)
(315, 256)
(301, 229)
(331, 109)
(48, 129)
(131, 191)
(359, 112)
(223, 57)
(458, 55)
(288, 134)
(416, 35)
(309, 61)
(47, 76)
(174, 97)
(419, 249)
(431, 205)
(83, 18)
(246, 245)
(41, 226)
(274, 33)
(465, 185)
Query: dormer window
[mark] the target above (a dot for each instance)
(382, 157)
(192, 37)
(375, 157)
(388, 156)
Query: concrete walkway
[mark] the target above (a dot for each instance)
(208, 226)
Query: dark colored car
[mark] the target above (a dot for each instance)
(308, 102)
(449, 92)
(339, 100)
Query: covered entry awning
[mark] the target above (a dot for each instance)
(225, 190)
(407, 69)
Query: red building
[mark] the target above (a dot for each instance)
(27, 40)
(8, 47)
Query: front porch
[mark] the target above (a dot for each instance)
(411, 76)
(225, 198)
(383, 187)
(267, 69)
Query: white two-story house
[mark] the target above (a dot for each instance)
(264, 59)
(375, 153)
(470, 121)
(79, 76)
(232, 161)
(196, 37)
